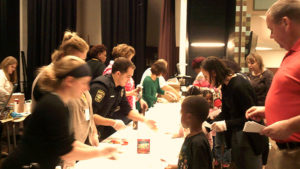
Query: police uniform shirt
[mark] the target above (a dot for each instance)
(108, 100)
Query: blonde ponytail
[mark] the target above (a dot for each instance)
(49, 80)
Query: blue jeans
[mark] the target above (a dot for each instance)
(219, 141)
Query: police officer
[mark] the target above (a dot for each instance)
(110, 104)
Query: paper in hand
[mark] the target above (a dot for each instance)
(253, 127)
(205, 124)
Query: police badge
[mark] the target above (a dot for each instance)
(99, 96)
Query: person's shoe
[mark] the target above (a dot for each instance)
(226, 165)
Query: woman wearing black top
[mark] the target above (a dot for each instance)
(48, 137)
(97, 56)
(237, 97)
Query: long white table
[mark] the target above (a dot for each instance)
(162, 146)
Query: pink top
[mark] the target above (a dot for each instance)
(283, 98)
(128, 87)
(200, 81)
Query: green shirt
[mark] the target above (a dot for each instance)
(150, 89)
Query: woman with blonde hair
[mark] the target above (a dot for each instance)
(81, 108)
(8, 75)
(71, 44)
(48, 136)
(260, 77)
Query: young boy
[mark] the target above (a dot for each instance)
(195, 152)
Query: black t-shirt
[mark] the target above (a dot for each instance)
(97, 67)
(261, 85)
(195, 153)
(47, 135)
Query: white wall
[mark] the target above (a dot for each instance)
(272, 58)
(89, 21)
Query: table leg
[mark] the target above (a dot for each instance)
(14, 135)
(8, 138)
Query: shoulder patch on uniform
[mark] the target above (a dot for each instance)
(99, 96)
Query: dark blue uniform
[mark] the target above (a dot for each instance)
(109, 101)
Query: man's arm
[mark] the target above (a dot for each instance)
(171, 89)
(282, 129)
(100, 120)
(135, 116)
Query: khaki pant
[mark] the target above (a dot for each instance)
(287, 159)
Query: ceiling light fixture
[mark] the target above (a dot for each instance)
(205, 44)
(263, 48)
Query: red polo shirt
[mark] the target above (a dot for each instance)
(283, 98)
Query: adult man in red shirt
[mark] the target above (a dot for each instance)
(282, 106)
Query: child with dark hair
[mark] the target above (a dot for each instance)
(193, 90)
(195, 152)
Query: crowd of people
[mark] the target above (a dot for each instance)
(77, 104)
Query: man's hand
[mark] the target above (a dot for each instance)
(280, 130)
(256, 113)
(219, 126)
(171, 95)
(151, 124)
(143, 104)
(118, 125)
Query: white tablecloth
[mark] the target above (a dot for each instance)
(162, 146)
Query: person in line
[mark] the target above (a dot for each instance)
(261, 79)
(282, 103)
(237, 96)
(195, 152)
(162, 82)
(151, 85)
(109, 99)
(48, 137)
(97, 56)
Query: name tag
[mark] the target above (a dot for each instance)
(87, 114)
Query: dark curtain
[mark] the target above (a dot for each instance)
(167, 40)
(9, 29)
(47, 21)
(124, 21)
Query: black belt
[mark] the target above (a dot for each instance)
(289, 145)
